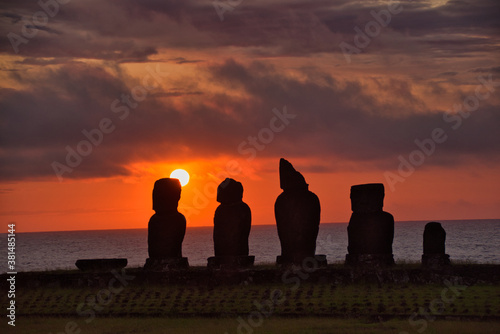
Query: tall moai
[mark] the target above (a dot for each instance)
(232, 223)
(434, 255)
(371, 230)
(297, 211)
(166, 228)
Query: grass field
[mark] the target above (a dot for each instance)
(308, 299)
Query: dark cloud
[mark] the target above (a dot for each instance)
(487, 70)
(133, 30)
(358, 118)
(347, 120)
(45, 62)
(335, 119)
(448, 74)
(68, 46)
(182, 60)
(175, 94)
(14, 17)
(43, 28)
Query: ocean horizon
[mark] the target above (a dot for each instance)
(466, 241)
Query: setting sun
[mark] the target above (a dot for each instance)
(182, 175)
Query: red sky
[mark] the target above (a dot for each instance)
(140, 88)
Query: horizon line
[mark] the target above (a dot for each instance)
(207, 226)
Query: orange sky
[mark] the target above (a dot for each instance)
(126, 203)
(177, 86)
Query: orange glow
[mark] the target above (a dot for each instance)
(122, 203)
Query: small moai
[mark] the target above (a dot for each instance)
(434, 246)
(232, 223)
(166, 228)
(371, 230)
(297, 211)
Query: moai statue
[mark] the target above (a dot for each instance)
(434, 246)
(166, 228)
(232, 222)
(371, 230)
(297, 212)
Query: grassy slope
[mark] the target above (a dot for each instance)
(307, 308)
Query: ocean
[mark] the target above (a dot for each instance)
(466, 240)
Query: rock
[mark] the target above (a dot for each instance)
(371, 230)
(434, 246)
(309, 264)
(167, 227)
(232, 223)
(297, 211)
(100, 264)
(230, 262)
(166, 264)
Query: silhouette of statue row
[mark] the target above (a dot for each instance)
(370, 230)
(434, 246)
(232, 221)
(297, 213)
(166, 228)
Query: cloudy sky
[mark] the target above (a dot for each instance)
(100, 98)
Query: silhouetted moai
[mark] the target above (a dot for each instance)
(371, 230)
(297, 212)
(166, 228)
(232, 222)
(434, 246)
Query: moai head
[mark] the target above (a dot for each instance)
(367, 197)
(166, 195)
(229, 191)
(290, 179)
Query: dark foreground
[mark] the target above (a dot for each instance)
(405, 298)
(272, 325)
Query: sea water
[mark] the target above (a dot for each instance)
(466, 240)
